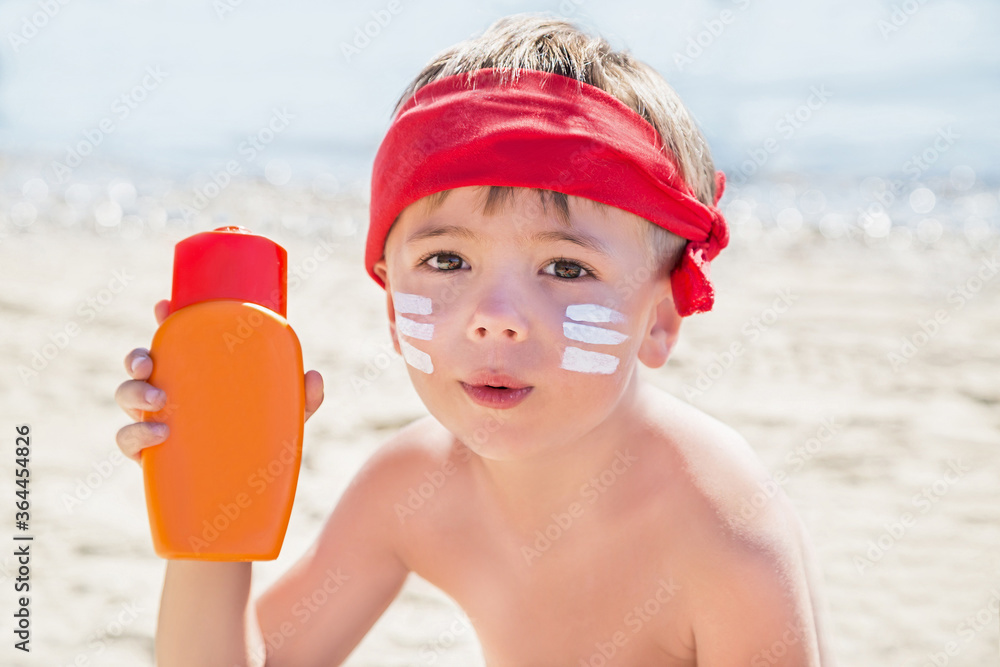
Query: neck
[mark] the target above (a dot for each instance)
(533, 489)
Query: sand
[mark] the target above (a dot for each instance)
(890, 460)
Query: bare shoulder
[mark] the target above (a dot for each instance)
(391, 486)
(421, 446)
(420, 435)
(717, 469)
(362, 553)
(415, 469)
(751, 569)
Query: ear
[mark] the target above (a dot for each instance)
(662, 328)
(382, 272)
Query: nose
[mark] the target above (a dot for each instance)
(498, 315)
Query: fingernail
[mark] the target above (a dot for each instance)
(160, 429)
(135, 364)
(153, 396)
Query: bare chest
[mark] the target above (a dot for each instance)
(560, 593)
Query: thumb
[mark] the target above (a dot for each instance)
(161, 310)
(314, 392)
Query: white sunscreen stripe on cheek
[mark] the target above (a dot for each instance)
(591, 312)
(588, 334)
(416, 358)
(575, 359)
(411, 303)
(408, 327)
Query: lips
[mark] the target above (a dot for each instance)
(499, 380)
(496, 390)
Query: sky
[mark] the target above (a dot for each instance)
(852, 87)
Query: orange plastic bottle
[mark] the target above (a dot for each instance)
(221, 486)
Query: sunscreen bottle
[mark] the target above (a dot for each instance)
(221, 486)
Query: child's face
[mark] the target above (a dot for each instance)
(472, 295)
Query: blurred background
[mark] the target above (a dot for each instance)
(859, 138)
(894, 74)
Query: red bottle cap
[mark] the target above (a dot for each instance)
(230, 263)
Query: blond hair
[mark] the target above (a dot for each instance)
(551, 44)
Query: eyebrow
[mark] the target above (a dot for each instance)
(582, 240)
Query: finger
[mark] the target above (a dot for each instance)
(137, 396)
(314, 392)
(161, 310)
(135, 363)
(133, 438)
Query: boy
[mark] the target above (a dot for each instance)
(585, 518)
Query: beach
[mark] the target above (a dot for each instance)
(863, 368)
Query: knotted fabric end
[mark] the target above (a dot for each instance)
(689, 283)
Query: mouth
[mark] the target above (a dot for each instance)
(495, 390)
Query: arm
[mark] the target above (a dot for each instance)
(319, 610)
(814, 580)
(316, 613)
(759, 605)
(204, 616)
(756, 588)
(343, 583)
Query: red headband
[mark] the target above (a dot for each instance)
(542, 131)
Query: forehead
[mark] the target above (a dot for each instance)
(523, 212)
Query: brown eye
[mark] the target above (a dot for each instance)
(445, 261)
(565, 269)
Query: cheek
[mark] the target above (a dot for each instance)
(416, 357)
(591, 346)
(588, 343)
(414, 323)
(584, 361)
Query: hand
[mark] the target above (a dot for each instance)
(136, 395)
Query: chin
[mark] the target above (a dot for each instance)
(492, 452)
(492, 435)
(494, 440)
(511, 442)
